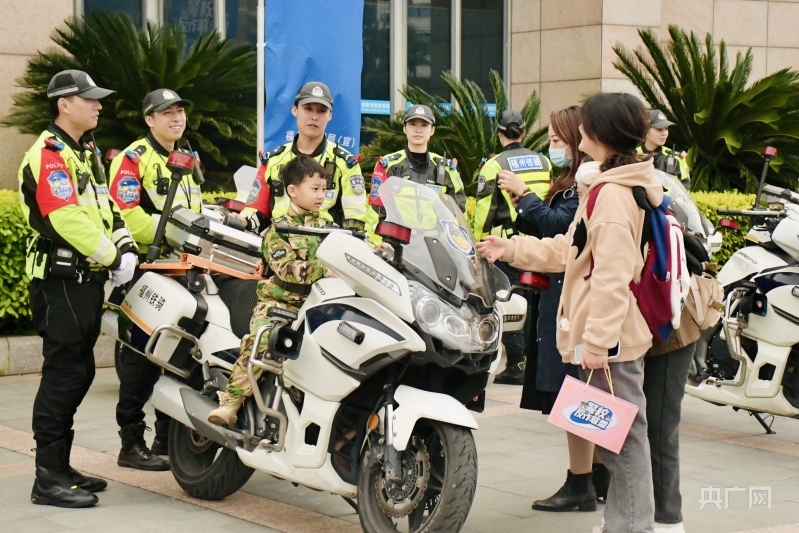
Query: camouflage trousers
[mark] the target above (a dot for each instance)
(239, 383)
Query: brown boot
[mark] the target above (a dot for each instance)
(225, 414)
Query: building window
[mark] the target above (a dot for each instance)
(242, 21)
(132, 8)
(376, 43)
(482, 43)
(194, 16)
(429, 44)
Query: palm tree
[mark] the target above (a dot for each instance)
(723, 120)
(466, 132)
(216, 75)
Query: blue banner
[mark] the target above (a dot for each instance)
(313, 40)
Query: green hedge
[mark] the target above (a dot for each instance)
(15, 313)
(708, 202)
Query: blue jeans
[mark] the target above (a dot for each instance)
(631, 506)
(664, 386)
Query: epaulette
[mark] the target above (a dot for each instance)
(135, 154)
(51, 143)
(386, 159)
(264, 157)
(350, 159)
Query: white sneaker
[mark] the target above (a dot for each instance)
(671, 528)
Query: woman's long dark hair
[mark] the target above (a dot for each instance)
(566, 124)
(620, 123)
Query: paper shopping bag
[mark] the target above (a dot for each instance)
(593, 414)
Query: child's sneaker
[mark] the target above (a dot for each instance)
(671, 528)
(225, 414)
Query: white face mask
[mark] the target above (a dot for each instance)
(559, 158)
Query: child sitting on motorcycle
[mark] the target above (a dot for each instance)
(292, 259)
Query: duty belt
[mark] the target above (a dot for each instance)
(297, 288)
(85, 275)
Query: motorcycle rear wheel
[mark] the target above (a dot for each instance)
(450, 487)
(203, 468)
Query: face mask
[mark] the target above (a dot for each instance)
(559, 158)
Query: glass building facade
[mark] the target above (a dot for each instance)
(405, 42)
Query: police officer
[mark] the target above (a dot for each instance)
(140, 181)
(345, 197)
(495, 214)
(416, 163)
(665, 159)
(78, 237)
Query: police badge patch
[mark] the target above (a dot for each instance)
(128, 190)
(60, 184)
(481, 184)
(254, 191)
(357, 184)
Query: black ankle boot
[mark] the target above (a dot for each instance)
(134, 452)
(53, 485)
(161, 441)
(91, 484)
(577, 493)
(601, 480)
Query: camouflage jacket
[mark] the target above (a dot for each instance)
(292, 258)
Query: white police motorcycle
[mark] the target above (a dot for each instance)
(368, 389)
(750, 360)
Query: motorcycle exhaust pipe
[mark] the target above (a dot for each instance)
(191, 409)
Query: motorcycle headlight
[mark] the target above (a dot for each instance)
(458, 328)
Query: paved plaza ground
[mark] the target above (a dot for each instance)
(728, 462)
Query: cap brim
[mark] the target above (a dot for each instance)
(662, 124)
(96, 93)
(315, 100)
(408, 118)
(169, 103)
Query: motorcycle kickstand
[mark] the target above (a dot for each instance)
(351, 503)
(763, 423)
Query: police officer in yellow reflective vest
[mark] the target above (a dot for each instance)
(495, 214)
(654, 145)
(416, 163)
(140, 182)
(78, 237)
(345, 197)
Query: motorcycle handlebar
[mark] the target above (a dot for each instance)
(312, 231)
(750, 213)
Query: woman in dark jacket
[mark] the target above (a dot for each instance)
(587, 479)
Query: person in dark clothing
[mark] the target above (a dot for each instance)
(545, 370)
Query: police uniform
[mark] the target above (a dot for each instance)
(664, 158)
(495, 215)
(345, 203)
(78, 236)
(139, 185)
(494, 212)
(292, 259)
(429, 169)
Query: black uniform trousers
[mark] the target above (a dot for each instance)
(67, 316)
(137, 377)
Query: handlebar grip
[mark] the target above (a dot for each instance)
(730, 212)
(236, 223)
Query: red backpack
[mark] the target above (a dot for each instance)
(664, 284)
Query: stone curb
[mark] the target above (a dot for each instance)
(23, 355)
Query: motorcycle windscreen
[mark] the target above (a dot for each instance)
(442, 244)
(682, 204)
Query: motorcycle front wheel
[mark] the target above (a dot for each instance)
(436, 487)
(203, 468)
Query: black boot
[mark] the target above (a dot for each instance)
(53, 485)
(578, 492)
(134, 452)
(161, 441)
(91, 484)
(601, 480)
(512, 375)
